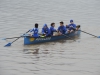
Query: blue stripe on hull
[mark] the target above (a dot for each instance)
(31, 40)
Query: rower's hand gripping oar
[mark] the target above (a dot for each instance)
(9, 44)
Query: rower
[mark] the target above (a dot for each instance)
(71, 27)
(61, 28)
(46, 31)
(52, 28)
(34, 31)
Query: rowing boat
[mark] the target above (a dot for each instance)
(31, 40)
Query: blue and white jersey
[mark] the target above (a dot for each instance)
(52, 30)
(62, 29)
(72, 26)
(46, 30)
(34, 32)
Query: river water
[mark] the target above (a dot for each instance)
(55, 58)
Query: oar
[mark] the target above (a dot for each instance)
(9, 44)
(78, 26)
(69, 37)
(9, 38)
(18, 37)
(90, 34)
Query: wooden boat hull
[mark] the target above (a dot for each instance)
(31, 40)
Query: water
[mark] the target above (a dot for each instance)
(56, 58)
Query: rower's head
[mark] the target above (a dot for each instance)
(36, 25)
(71, 21)
(53, 24)
(45, 26)
(61, 23)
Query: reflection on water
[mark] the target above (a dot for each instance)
(33, 51)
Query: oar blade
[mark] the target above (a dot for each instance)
(3, 38)
(98, 37)
(9, 44)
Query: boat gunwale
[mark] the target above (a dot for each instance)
(51, 36)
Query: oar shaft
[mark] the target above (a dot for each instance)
(12, 37)
(69, 37)
(19, 37)
(9, 44)
(16, 39)
(89, 33)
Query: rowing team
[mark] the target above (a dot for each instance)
(50, 31)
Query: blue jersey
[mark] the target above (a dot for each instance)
(46, 31)
(62, 29)
(72, 26)
(35, 32)
(52, 30)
